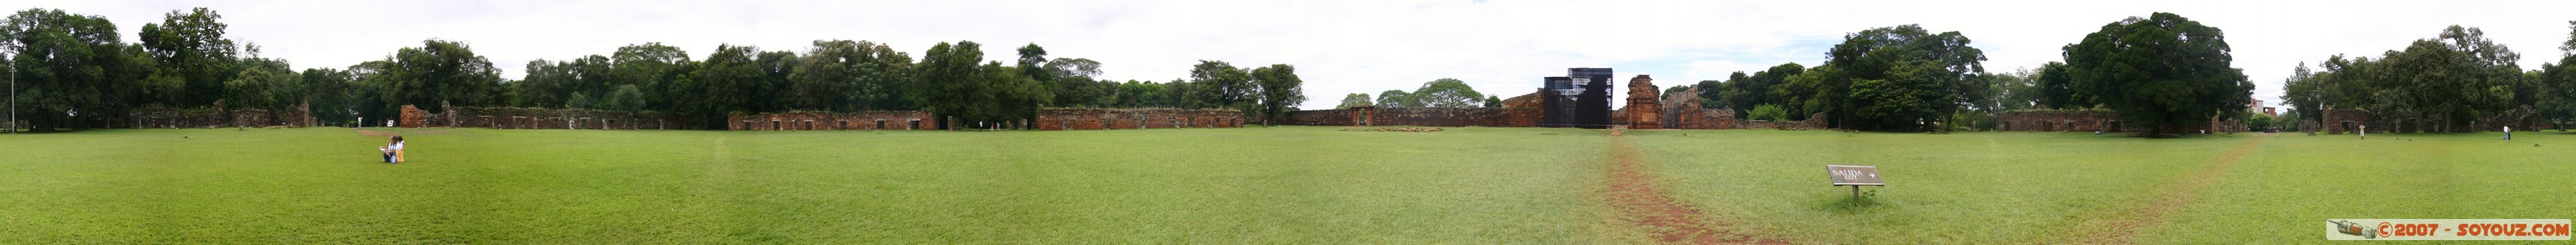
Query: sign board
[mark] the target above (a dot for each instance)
(1854, 175)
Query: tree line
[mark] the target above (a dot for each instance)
(2157, 72)
(1438, 93)
(74, 71)
(2444, 83)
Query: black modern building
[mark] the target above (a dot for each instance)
(1579, 99)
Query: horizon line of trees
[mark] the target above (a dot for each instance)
(74, 71)
(2158, 72)
(2444, 83)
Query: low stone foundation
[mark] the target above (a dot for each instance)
(538, 118)
(873, 120)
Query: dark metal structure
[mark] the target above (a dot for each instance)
(1579, 99)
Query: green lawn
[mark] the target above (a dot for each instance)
(1285, 185)
(2057, 188)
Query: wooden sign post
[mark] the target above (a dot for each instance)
(1854, 176)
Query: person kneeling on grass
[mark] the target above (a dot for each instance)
(392, 150)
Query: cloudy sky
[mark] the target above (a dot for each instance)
(1501, 47)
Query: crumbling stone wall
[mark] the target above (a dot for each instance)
(537, 118)
(543, 118)
(1439, 117)
(1357, 116)
(2339, 121)
(2058, 121)
(1524, 110)
(1645, 106)
(1683, 111)
(413, 117)
(1142, 118)
(872, 120)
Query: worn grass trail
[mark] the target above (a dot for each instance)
(2168, 198)
(1637, 194)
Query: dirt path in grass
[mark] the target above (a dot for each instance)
(1638, 197)
(2166, 199)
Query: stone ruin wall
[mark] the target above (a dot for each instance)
(1115, 119)
(1684, 111)
(541, 118)
(1438, 117)
(1647, 102)
(1334, 117)
(1524, 110)
(872, 120)
(413, 117)
(537, 118)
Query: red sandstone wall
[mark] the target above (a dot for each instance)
(891, 120)
(1645, 109)
(538, 118)
(413, 117)
(1334, 117)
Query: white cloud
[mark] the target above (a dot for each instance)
(1340, 47)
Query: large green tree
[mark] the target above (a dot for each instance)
(264, 83)
(191, 46)
(1741, 92)
(835, 76)
(2434, 84)
(775, 67)
(441, 71)
(987, 93)
(1397, 99)
(2453, 78)
(334, 96)
(1354, 100)
(729, 82)
(2557, 96)
(1447, 93)
(66, 65)
(2159, 72)
(661, 70)
(1905, 76)
(1280, 90)
(2055, 87)
(1225, 86)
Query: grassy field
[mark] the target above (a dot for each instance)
(2059, 188)
(1290, 185)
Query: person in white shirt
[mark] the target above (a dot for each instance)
(2508, 132)
(398, 148)
(387, 150)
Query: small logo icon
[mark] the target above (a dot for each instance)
(2356, 229)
